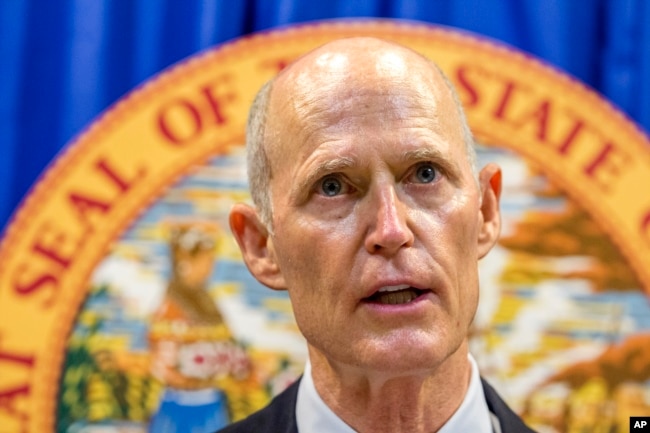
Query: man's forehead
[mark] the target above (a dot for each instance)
(345, 77)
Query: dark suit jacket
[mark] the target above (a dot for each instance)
(280, 415)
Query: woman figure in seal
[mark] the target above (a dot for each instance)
(191, 347)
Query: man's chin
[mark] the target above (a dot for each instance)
(405, 356)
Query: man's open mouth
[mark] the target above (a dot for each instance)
(395, 295)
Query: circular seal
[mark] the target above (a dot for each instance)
(124, 299)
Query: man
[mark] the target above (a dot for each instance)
(369, 211)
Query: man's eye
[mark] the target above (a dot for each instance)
(426, 173)
(331, 186)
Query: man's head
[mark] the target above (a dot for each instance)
(259, 167)
(372, 216)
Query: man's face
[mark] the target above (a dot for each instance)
(376, 213)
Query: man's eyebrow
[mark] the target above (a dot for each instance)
(337, 164)
(422, 153)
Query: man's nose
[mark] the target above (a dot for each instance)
(388, 230)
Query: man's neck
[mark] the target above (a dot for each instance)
(386, 401)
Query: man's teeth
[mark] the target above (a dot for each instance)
(394, 288)
(392, 295)
(401, 297)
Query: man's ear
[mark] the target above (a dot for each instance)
(256, 246)
(490, 215)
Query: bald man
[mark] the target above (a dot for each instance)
(369, 211)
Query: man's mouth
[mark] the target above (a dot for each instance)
(395, 295)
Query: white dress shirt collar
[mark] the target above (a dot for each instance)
(314, 416)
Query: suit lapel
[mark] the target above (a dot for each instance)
(509, 422)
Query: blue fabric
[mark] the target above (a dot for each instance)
(64, 61)
(180, 412)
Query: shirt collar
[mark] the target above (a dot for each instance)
(314, 416)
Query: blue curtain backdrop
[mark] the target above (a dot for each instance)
(62, 62)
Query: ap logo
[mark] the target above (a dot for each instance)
(640, 424)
